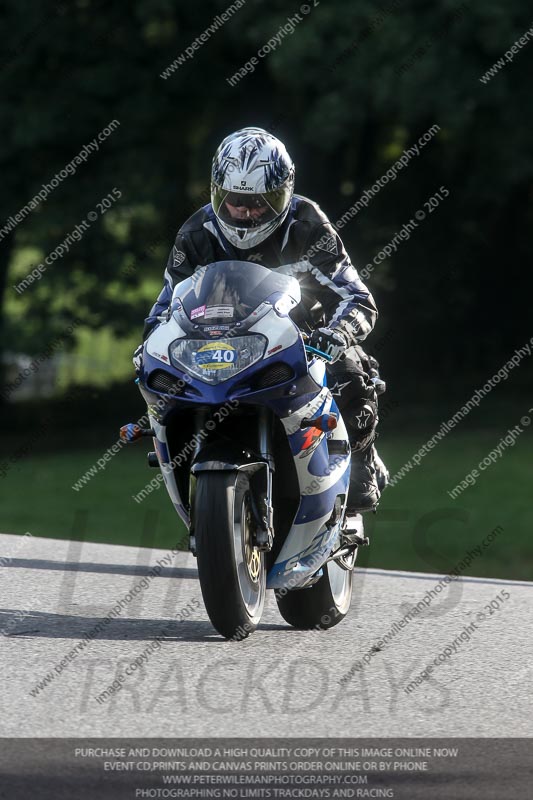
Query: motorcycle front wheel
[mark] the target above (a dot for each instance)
(231, 570)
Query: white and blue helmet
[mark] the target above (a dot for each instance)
(252, 183)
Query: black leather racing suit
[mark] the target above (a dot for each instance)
(332, 294)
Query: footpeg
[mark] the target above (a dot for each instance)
(345, 555)
(349, 544)
(358, 541)
(353, 532)
(353, 525)
(352, 537)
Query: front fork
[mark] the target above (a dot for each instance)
(262, 483)
(199, 424)
(260, 477)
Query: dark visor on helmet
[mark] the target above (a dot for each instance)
(248, 210)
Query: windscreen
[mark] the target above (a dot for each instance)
(229, 291)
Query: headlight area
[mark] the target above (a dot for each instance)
(219, 360)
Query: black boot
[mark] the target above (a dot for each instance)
(368, 478)
(382, 473)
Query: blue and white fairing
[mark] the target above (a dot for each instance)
(322, 478)
(227, 323)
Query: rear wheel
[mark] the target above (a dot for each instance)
(322, 605)
(232, 571)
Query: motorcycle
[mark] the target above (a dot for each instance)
(252, 449)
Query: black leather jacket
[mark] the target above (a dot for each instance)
(306, 246)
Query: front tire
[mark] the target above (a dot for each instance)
(232, 571)
(322, 605)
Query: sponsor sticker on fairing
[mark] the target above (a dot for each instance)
(198, 312)
(218, 311)
(216, 330)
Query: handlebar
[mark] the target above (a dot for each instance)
(317, 352)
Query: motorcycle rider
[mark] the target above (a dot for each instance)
(254, 215)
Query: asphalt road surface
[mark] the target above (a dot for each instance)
(186, 681)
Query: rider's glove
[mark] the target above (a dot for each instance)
(138, 358)
(329, 341)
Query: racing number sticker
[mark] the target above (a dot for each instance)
(215, 355)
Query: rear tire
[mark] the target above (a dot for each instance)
(322, 605)
(232, 572)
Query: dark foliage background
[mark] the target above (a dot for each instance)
(352, 87)
(457, 294)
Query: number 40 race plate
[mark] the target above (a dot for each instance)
(215, 355)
